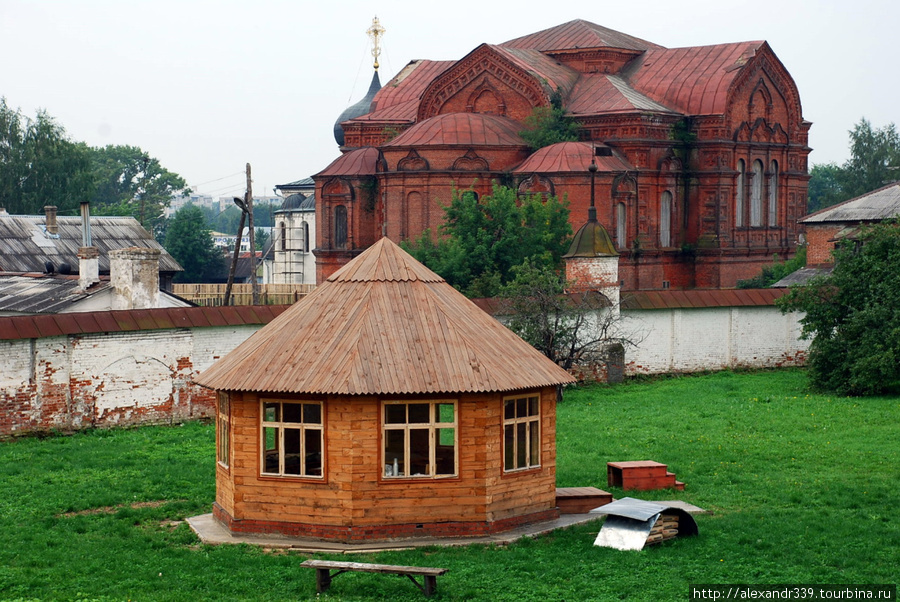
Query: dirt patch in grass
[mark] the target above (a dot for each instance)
(112, 509)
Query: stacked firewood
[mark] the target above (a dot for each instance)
(665, 527)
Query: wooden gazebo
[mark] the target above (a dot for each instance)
(384, 404)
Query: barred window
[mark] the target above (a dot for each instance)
(419, 439)
(292, 438)
(223, 429)
(521, 433)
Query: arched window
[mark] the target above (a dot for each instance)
(773, 193)
(282, 232)
(340, 227)
(620, 225)
(665, 220)
(305, 237)
(739, 197)
(756, 186)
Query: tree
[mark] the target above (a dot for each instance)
(571, 329)
(131, 182)
(261, 237)
(188, 240)
(874, 161)
(852, 315)
(485, 238)
(771, 274)
(549, 125)
(39, 165)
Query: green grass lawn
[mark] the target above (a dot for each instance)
(803, 489)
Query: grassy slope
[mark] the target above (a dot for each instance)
(804, 490)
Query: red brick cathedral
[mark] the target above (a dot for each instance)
(701, 152)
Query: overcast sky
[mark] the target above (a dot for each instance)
(207, 87)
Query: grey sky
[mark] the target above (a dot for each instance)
(207, 87)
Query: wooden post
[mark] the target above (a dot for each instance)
(254, 285)
(234, 258)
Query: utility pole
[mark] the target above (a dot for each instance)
(237, 250)
(254, 285)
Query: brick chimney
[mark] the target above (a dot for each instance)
(52, 225)
(134, 275)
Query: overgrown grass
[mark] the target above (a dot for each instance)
(803, 489)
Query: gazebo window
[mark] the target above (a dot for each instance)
(292, 438)
(419, 439)
(223, 429)
(521, 433)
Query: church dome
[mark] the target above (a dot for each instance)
(360, 108)
(462, 129)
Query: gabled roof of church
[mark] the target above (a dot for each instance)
(358, 162)
(568, 157)
(598, 93)
(384, 324)
(579, 34)
(469, 129)
(398, 100)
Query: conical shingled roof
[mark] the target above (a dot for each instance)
(384, 324)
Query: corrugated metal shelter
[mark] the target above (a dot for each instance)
(385, 404)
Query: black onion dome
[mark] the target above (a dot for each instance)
(360, 108)
(292, 202)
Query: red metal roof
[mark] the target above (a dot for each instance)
(693, 80)
(398, 99)
(567, 157)
(579, 34)
(359, 162)
(598, 93)
(37, 326)
(383, 324)
(546, 69)
(462, 129)
(694, 299)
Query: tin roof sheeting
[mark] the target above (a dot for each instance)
(695, 299)
(579, 34)
(880, 204)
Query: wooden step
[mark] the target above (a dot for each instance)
(580, 500)
(642, 475)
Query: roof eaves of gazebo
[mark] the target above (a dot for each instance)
(384, 324)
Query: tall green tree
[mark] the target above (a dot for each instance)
(39, 165)
(131, 182)
(188, 240)
(852, 316)
(874, 162)
(483, 239)
(549, 125)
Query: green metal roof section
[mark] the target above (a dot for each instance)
(591, 240)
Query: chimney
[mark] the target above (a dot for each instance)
(88, 255)
(52, 226)
(134, 275)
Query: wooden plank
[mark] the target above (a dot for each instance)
(373, 568)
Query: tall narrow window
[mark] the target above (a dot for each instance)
(773, 194)
(665, 220)
(620, 225)
(739, 196)
(756, 186)
(292, 438)
(419, 439)
(282, 232)
(521, 433)
(223, 429)
(306, 237)
(340, 227)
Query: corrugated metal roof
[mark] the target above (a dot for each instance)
(29, 327)
(383, 325)
(42, 294)
(880, 204)
(570, 157)
(694, 80)
(25, 245)
(579, 34)
(802, 276)
(462, 129)
(694, 299)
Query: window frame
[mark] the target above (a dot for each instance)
(280, 426)
(772, 219)
(223, 429)
(530, 445)
(665, 219)
(433, 426)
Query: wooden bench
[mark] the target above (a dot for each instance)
(324, 575)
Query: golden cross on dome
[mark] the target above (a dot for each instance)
(375, 32)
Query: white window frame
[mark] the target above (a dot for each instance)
(394, 468)
(739, 196)
(223, 429)
(665, 220)
(280, 426)
(773, 194)
(528, 419)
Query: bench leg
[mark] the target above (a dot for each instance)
(430, 584)
(323, 580)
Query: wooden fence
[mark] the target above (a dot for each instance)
(213, 295)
